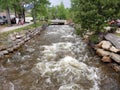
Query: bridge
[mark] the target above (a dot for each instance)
(58, 22)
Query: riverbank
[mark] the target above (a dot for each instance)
(13, 39)
(56, 59)
(105, 44)
(107, 47)
(109, 50)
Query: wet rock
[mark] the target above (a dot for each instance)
(115, 57)
(97, 46)
(28, 38)
(114, 49)
(105, 45)
(12, 37)
(85, 37)
(19, 36)
(7, 85)
(23, 38)
(116, 67)
(114, 39)
(15, 47)
(21, 43)
(106, 59)
(18, 40)
(10, 50)
(1, 54)
(5, 52)
(2, 47)
(102, 52)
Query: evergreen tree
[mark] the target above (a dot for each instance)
(92, 14)
(6, 5)
(59, 12)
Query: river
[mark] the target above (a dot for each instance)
(57, 59)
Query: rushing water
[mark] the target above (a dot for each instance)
(56, 60)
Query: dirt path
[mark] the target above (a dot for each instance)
(5, 29)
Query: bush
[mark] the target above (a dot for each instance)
(94, 39)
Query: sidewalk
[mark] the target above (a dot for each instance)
(14, 27)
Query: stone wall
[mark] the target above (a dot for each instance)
(18, 40)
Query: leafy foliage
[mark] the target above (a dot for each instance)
(40, 7)
(59, 12)
(92, 14)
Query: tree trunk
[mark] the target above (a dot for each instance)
(34, 19)
(8, 16)
(15, 10)
(34, 13)
(24, 14)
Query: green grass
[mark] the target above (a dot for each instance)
(118, 34)
(32, 26)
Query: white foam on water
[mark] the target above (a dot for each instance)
(30, 49)
(62, 30)
(68, 70)
(70, 87)
(25, 57)
(50, 52)
(68, 36)
(53, 33)
(8, 85)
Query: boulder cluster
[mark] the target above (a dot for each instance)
(109, 52)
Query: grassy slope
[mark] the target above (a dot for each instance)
(4, 36)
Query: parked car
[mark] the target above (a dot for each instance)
(5, 19)
(2, 20)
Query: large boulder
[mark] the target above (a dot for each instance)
(102, 52)
(2, 47)
(114, 49)
(116, 67)
(19, 36)
(115, 57)
(114, 39)
(105, 45)
(106, 59)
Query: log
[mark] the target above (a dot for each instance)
(115, 40)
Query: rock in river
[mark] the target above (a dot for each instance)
(115, 57)
(102, 52)
(106, 59)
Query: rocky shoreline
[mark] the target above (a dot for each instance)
(109, 50)
(19, 39)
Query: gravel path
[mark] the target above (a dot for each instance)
(14, 27)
